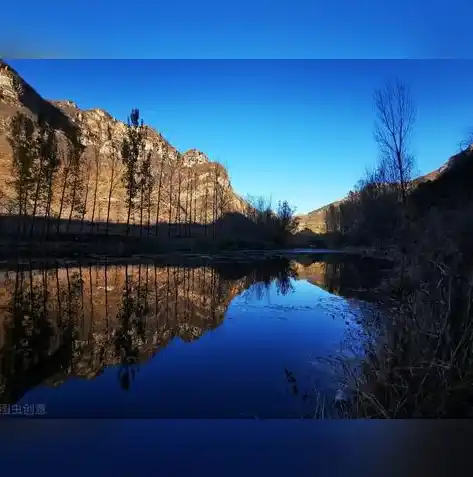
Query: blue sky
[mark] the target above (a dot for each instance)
(299, 130)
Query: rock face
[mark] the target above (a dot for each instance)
(186, 186)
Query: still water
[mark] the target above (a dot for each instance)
(223, 339)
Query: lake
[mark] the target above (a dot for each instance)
(218, 338)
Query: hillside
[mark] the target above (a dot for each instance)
(187, 187)
(315, 220)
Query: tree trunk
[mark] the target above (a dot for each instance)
(141, 209)
(97, 164)
(148, 204)
(110, 191)
(48, 208)
(195, 198)
(187, 223)
(206, 199)
(85, 199)
(128, 219)
(63, 194)
(73, 200)
(39, 183)
(170, 205)
(159, 196)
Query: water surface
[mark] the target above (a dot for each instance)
(223, 340)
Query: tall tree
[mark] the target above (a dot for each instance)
(86, 195)
(75, 194)
(223, 191)
(286, 222)
(21, 139)
(52, 168)
(40, 165)
(395, 120)
(191, 199)
(195, 182)
(179, 184)
(172, 167)
(164, 155)
(97, 163)
(146, 188)
(131, 150)
(205, 209)
(113, 173)
(216, 176)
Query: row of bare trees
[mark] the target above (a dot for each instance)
(57, 180)
(277, 224)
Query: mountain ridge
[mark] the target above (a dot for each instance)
(201, 181)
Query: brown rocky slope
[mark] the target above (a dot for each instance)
(189, 183)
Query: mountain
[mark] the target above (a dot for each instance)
(186, 185)
(315, 220)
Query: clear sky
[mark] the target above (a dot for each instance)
(299, 130)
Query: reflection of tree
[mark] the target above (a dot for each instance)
(259, 280)
(34, 347)
(130, 333)
(28, 334)
(76, 320)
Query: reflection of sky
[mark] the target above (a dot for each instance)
(236, 369)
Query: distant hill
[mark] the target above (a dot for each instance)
(315, 220)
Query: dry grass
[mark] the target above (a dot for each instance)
(417, 360)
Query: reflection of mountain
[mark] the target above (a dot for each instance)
(66, 322)
(350, 277)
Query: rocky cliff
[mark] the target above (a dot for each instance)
(186, 186)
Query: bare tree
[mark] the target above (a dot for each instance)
(195, 182)
(52, 168)
(21, 141)
(113, 174)
(145, 181)
(395, 120)
(147, 187)
(71, 180)
(131, 150)
(191, 199)
(40, 166)
(215, 200)
(187, 214)
(171, 176)
(65, 181)
(286, 222)
(75, 195)
(86, 195)
(97, 169)
(205, 209)
(179, 184)
(223, 201)
(164, 155)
